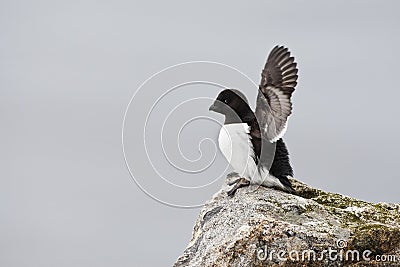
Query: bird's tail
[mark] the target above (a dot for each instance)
(287, 186)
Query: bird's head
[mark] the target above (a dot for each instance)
(233, 104)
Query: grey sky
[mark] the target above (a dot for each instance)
(69, 69)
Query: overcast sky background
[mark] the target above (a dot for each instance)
(69, 68)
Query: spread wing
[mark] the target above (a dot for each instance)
(278, 82)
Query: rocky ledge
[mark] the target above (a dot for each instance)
(267, 227)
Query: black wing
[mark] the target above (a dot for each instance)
(273, 107)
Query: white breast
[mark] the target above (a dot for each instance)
(235, 144)
(237, 148)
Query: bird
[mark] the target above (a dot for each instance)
(252, 141)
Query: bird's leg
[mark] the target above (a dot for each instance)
(241, 182)
(234, 181)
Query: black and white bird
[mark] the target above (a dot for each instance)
(252, 141)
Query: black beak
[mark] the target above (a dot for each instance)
(213, 107)
(217, 106)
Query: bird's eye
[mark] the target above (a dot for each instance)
(226, 101)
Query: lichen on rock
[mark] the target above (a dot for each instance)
(254, 226)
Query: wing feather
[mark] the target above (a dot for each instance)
(274, 106)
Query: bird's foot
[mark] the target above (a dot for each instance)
(238, 183)
(234, 181)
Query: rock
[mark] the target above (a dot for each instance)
(264, 227)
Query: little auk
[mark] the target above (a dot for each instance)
(252, 141)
